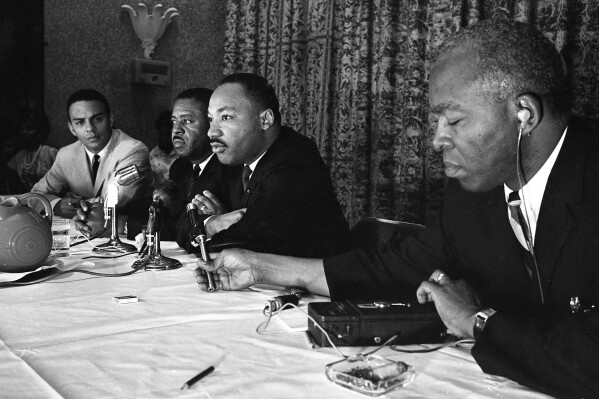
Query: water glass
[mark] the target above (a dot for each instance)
(61, 238)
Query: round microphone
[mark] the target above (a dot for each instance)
(165, 194)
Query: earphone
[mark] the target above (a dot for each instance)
(523, 116)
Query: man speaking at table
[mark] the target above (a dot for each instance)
(522, 279)
(286, 204)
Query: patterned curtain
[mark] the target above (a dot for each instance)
(352, 75)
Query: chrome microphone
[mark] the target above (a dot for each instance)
(122, 177)
(199, 238)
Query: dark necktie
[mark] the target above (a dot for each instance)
(245, 177)
(196, 171)
(95, 166)
(516, 214)
(195, 175)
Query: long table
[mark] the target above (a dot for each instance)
(68, 338)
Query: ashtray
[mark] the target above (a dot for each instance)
(370, 375)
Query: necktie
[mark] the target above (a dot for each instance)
(521, 228)
(196, 171)
(245, 177)
(514, 202)
(95, 166)
(195, 174)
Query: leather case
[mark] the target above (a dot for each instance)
(368, 323)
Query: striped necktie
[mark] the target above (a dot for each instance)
(245, 177)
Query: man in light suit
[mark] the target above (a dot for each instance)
(84, 170)
(524, 286)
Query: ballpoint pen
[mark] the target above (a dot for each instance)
(198, 377)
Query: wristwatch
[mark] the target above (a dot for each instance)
(481, 321)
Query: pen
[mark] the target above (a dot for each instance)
(198, 377)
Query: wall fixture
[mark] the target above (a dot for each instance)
(150, 27)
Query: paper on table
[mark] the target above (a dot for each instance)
(294, 319)
(9, 277)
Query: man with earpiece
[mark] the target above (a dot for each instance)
(521, 279)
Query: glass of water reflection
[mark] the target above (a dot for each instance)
(61, 239)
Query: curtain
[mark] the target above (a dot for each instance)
(352, 75)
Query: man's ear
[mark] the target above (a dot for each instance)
(70, 125)
(529, 112)
(267, 119)
(111, 120)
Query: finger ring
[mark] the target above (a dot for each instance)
(203, 208)
(439, 277)
(220, 284)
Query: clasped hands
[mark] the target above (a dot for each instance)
(89, 218)
(208, 204)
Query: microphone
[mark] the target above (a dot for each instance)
(199, 238)
(127, 175)
(166, 193)
(122, 177)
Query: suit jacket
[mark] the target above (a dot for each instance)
(544, 346)
(291, 206)
(217, 178)
(70, 174)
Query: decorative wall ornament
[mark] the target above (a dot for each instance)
(150, 27)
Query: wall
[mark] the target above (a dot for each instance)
(90, 44)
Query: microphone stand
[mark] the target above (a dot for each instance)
(122, 177)
(198, 237)
(114, 244)
(154, 259)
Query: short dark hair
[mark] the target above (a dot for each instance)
(87, 95)
(200, 94)
(38, 119)
(514, 58)
(258, 90)
(163, 120)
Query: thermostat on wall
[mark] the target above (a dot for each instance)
(150, 72)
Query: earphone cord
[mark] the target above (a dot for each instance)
(528, 238)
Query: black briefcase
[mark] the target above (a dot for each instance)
(369, 323)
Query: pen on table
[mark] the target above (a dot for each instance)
(198, 377)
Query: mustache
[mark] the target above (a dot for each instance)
(217, 141)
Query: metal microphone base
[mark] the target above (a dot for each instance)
(114, 245)
(157, 262)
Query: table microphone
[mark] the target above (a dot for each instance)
(199, 238)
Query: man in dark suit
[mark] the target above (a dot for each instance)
(196, 169)
(521, 276)
(287, 205)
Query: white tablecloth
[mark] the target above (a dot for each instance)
(68, 338)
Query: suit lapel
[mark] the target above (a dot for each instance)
(107, 165)
(81, 168)
(562, 196)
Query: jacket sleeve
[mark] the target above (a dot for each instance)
(53, 185)
(558, 355)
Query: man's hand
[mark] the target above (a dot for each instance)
(66, 208)
(208, 204)
(232, 270)
(455, 300)
(89, 219)
(222, 222)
